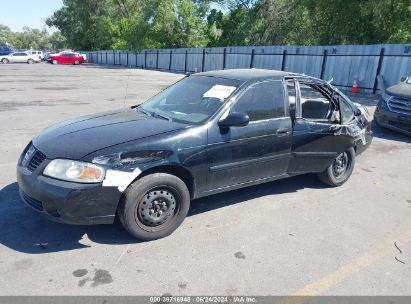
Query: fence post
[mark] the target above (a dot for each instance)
(157, 60)
(106, 58)
(323, 64)
(145, 59)
(252, 58)
(378, 70)
(185, 62)
(224, 58)
(283, 61)
(170, 60)
(114, 57)
(203, 61)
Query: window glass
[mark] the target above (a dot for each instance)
(291, 96)
(347, 114)
(193, 99)
(263, 100)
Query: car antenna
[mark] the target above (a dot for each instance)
(125, 96)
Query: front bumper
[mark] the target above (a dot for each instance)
(67, 202)
(393, 121)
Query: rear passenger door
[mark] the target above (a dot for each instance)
(317, 117)
(259, 150)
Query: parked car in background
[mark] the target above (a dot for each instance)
(39, 54)
(19, 57)
(66, 58)
(394, 108)
(208, 133)
(5, 50)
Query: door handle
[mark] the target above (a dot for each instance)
(283, 131)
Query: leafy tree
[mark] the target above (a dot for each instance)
(31, 39)
(6, 35)
(138, 24)
(85, 24)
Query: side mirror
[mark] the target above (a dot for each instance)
(234, 120)
(403, 79)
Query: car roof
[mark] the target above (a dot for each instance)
(247, 74)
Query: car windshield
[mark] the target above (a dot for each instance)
(192, 100)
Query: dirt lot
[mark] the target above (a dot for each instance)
(293, 236)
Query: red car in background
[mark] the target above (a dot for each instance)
(66, 58)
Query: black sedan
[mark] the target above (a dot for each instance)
(394, 109)
(208, 133)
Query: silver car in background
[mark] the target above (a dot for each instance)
(19, 57)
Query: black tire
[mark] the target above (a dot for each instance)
(30, 61)
(340, 170)
(54, 62)
(76, 62)
(5, 60)
(154, 206)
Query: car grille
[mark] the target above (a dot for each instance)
(400, 105)
(32, 158)
(32, 202)
(36, 160)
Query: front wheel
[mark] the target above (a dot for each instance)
(5, 60)
(55, 61)
(30, 61)
(340, 170)
(154, 206)
(76, 62)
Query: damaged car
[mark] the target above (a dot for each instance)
(394, 108)
(208, 133)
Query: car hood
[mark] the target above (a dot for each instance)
(76, 138)
(400, 90)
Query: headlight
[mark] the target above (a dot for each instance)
(74, 171)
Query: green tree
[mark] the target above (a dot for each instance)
(85, 24)
(6, 35)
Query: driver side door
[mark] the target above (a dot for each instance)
(257, 151)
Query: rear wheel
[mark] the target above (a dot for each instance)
(5, 60)
(30, 61)
(55, 61)
(154, 206)
(340, 170)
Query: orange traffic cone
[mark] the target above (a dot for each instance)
(354, 88)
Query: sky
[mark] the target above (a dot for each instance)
(32, 13)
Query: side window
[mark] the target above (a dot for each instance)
(347, 114)
(314, 105)
(263, 100)
(292, 96)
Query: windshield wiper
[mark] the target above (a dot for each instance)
(161, 116)
(138, 108)
(145, 112)
(153, 114)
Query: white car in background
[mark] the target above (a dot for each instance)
(39, 54)
(19, 57)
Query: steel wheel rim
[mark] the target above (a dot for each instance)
(341, 165)
(157, 208)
